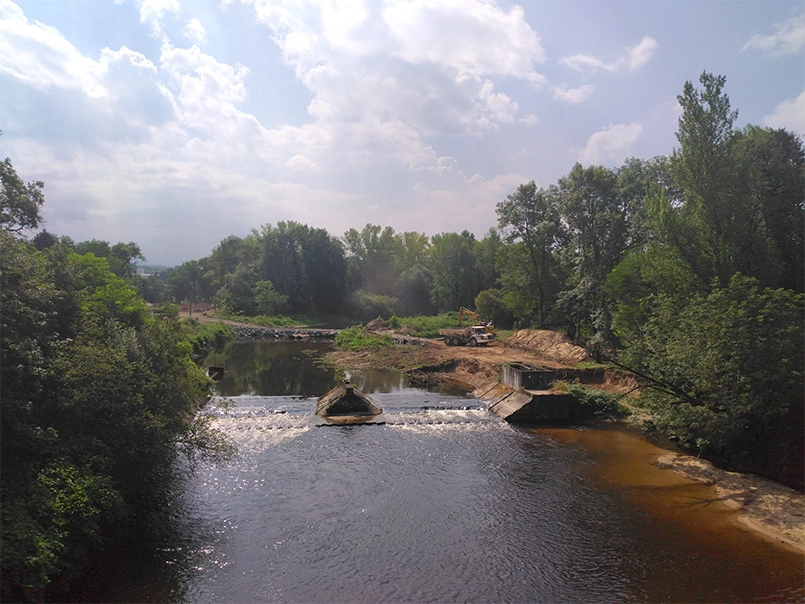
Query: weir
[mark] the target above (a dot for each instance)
(520, 396)
(347, 404)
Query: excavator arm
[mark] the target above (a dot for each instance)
(474, 315)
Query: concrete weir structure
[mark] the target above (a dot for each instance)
(520, 396)
(346, 404)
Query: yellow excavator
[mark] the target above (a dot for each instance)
(480, 334)
(476, 317)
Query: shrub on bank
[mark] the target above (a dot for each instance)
(600, 403)
(425, 327)
(357, 338)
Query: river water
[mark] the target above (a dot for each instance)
(443, 502)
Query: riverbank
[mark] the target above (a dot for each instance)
(766, 506)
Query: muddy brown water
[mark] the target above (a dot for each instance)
(443, 502)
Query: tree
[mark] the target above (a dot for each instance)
(595, 223)
(228, 255)
(414, 283)
(122, 259)
(19, 202)
(772, 163)
(373, 259)
(268, 300)
(98, 395)
(530, 217)
(43, 240)
(238, 295)
(452, 262)
(715, 228)
(306, 265)
(188, 281)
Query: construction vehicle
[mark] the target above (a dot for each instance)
(479, 334)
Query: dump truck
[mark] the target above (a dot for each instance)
(477, 335)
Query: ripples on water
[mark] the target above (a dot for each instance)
(442, 502)
(435, 505)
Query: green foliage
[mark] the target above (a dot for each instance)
(492, 307)
(207, 337)
(373, 259)
(598, 402)
(268, 300)
(97, 396)
(530, 217)
(121, 257)
(595, 216)
(425, 326)
(452, 260)
(727, 374)
(188, 281)
(357, 338)
(238, 295)
(367, 306)
(305, 264)
(279, 320)
(19, 203)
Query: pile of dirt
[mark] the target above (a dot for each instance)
(548, 344)
(377, 325)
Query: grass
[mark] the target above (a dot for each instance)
(357, 338)
(429, 326)
(271, 321)
(425, 326)
(206, 337)
(599, 402)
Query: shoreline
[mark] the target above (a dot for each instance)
(767, 507)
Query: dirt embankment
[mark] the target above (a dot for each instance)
(433, 360)
(767, 506)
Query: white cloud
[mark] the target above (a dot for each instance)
(195, 32)
(573, 95)
(152, 12)
(631, 59)
(42, 57)
(610, 144)
(789, 38)
(207, 91)
(789, 114)
(474, 38)
(427, 64)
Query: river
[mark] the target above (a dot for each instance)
(442, 502)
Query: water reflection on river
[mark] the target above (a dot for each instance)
(444, 502)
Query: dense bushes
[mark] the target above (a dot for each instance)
(726, 371)
(97, 394)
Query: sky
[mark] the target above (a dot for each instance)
(176, 123)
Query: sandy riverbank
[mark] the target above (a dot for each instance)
(766, 506)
